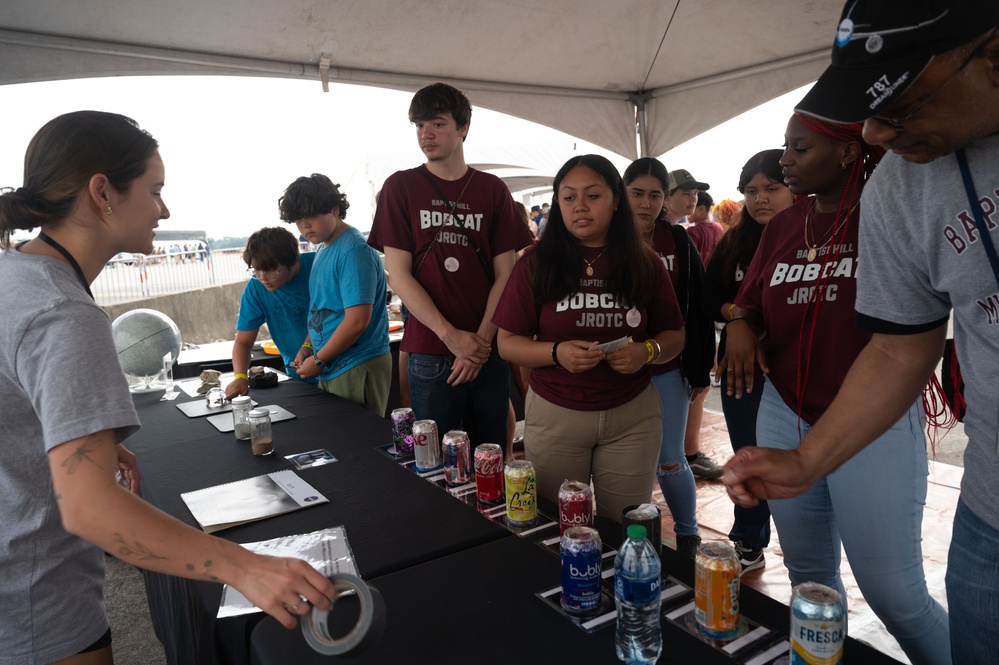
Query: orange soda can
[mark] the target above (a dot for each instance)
(716, 590)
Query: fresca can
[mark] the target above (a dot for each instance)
(817, 625)
(716, 590)
(575, 505)
(581, 548)
(402, 429)
(457, 462)
(426, 449)
(489, 473)
(521, 492)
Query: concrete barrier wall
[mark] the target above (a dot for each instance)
(203, 315)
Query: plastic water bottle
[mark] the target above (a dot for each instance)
(639, 638)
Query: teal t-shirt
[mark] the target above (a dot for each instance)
(348, 273)
(285, 311)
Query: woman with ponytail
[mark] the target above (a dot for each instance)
(92, 185)
(794, 318)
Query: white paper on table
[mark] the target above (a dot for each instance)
(190, 386)
(327, 551)
(612, 346)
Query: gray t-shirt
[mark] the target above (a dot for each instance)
(59, 380)
(921, 256)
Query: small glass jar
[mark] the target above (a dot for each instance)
(241, 406)
(260, 432)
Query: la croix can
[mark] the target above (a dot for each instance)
(457, 462)
(402, 429)
(489, 473)
(521, 492)
(716, 590)
(426, 448)
(575, 505)
(580, 550)
(817, 625)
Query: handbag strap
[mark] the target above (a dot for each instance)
(976, 209)
(454, 206)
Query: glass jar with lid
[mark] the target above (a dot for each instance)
(241, 406)
(260, 432)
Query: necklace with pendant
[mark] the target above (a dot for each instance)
(813, 249)
(589, 264)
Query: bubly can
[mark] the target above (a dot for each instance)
(817, 625)
(716, 590)
(581, 548)
(457, 460)
(426, 448)
(575, 505)
(521, 492)
(402, 429)
(489, 473)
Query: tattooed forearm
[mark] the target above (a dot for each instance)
(207, 566)
(136, 550)
(81, 454)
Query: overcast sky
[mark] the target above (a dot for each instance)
(231, 145)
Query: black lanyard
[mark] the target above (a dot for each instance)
(69, 257)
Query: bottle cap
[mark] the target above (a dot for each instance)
(636, 531)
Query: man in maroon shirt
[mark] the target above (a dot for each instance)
(449, 234)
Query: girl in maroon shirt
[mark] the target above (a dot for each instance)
(590, 280)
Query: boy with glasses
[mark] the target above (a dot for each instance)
(278, 295)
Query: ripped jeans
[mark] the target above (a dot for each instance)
(673, 473)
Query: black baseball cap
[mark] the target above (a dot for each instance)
(882, 46)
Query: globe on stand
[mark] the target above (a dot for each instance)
(142, 338)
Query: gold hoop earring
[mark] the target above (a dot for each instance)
(108, 209)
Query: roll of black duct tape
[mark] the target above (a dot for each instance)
(370, 621)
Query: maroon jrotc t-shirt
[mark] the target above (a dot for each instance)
(412, 216)
(665, 248)
(780, 283)
(590, 315)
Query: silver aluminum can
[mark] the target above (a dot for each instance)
(457, 457)
(426, 446)
(817, 624)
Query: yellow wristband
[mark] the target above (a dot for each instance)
(731, 311)
(308, 345)
(240, 376)
(652, 352)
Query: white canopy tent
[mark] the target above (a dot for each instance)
(632, 76)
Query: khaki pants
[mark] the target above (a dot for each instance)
(618, 448)
(367, 384)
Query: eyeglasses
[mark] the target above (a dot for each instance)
(269, 274)
(898, 124)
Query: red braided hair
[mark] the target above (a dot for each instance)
(860, 173)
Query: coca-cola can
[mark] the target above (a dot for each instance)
(457, 460)
(489, 473)
(402, 429)
(425, 445)
(575, 505)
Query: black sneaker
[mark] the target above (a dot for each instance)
(687, 545)
(750, 559)
(704, 467)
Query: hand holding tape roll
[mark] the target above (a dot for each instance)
(370, 623)
(273, 645)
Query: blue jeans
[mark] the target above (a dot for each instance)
(674, 475)
(752, 525)
(479, 408)
(874, 502)
(973, 588)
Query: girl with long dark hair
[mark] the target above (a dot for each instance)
(678, 381)
(591, 411)
(795, 318)
(762, 184)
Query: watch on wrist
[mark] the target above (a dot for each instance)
(320, 363)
